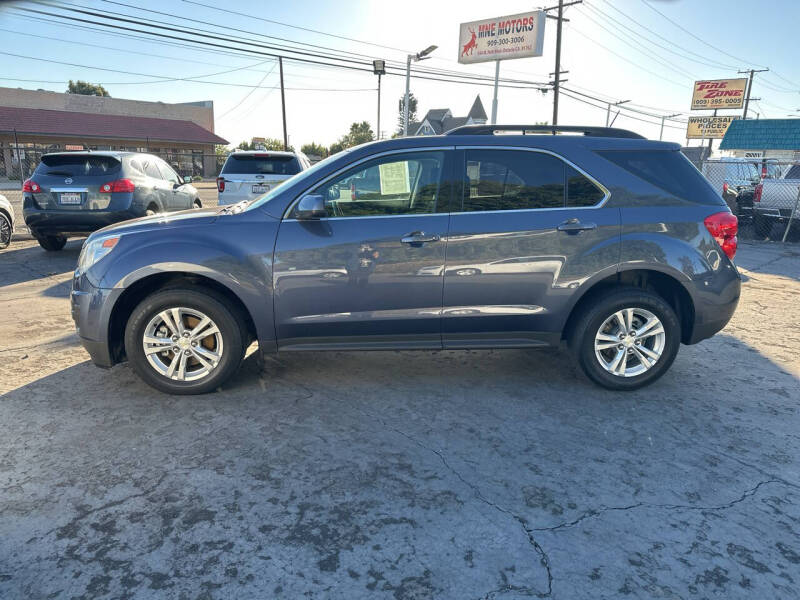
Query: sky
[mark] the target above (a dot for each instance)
(613, 49)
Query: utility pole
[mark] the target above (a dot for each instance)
(608, 110)
(557, 81)
(664, 118)
(749, 87)
(283, 107)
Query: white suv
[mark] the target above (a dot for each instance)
(249, 174)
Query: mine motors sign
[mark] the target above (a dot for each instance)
(503, 38)
(718, 93)
(708, 127)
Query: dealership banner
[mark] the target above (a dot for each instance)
(502, 38)
(708, 127)
(718, 93)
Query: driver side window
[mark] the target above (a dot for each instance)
(399, 184)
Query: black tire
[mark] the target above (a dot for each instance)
(762, 226)
(6, 231)
(592, 316)
(229, 323)
(52, 243)
(197, 203)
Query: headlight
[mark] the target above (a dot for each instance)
(95, 249)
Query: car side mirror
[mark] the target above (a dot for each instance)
(310, 207)
(187, 179)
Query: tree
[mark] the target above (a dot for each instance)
(314, 149)
(412, 111)
(263, 144)
(84, 88)
(359, 133)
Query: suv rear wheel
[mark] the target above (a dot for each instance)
(184, 341)
(52, 243)
(626, 339)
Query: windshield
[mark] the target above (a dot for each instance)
(261, 164)
(302, 176)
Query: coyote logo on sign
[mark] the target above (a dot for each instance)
(470, 45)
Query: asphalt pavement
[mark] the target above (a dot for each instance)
(480, 474)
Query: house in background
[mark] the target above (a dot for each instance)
(441, 120)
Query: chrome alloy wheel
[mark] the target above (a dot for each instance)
(5, 231)
(629, 342)
(182, 344)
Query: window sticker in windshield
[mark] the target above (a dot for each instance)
(394, 178)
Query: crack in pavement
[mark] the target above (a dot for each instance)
(544, 559)
(601, 511)
(85, 513)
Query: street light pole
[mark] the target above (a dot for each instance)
(415, 57)
(379, 68)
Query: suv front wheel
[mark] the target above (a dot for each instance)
(626, 339)
(184, 341)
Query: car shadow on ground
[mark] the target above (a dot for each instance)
(405, 475)
(21, 264)
(774, 258)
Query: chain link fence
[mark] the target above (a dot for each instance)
(763, 193)
(18, 163)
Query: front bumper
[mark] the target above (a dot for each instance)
(91, 309)
(69, 222)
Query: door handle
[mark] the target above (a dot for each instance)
(574, 226)
(417, 238)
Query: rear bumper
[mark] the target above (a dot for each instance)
(68, 222)
(716, 305)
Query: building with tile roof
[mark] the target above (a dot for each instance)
(33, 122)
(767, 138)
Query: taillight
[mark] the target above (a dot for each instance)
(723, 227)
(763, 172)
(724, 188)
(220, 184)
(118, 186)
(757, 193)
(31, 186)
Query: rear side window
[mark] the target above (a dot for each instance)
(669, 170)
(151, 170)
(261, 164)
(78, 165)
(521, 180)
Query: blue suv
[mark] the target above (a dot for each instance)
(473, 239)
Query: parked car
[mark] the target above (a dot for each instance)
(75, 193)
(249, 174)
(614, 243)
(6, 222)
(774, 201)
(735, 179)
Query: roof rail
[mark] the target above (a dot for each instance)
(523, 129)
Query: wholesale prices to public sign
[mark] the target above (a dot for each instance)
(503, 38)
(718, 93)
(708, 127)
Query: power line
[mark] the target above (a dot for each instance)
(620, 56)
(703, 59)
(699, 39)
(248, 94)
